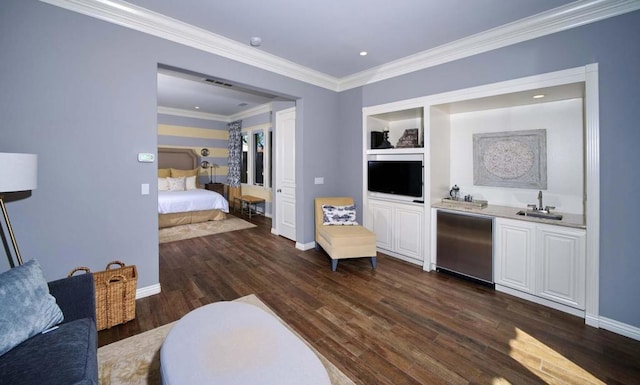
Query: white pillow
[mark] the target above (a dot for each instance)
(339, 215)
(190, 183)
(176, 184)
(163, 184)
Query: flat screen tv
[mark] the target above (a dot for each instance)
(399, 177)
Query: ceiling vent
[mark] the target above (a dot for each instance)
(218, 82)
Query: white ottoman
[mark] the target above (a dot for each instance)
(233, 343)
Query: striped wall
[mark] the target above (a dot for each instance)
(196, 134)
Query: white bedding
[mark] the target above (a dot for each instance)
(191, 200)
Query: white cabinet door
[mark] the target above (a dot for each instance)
(561, 265)
(408, 230)
(399, 228)
(515, 254)
(380, 221)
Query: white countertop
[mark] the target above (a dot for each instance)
(568, 220)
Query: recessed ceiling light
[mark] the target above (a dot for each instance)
(255, 41)
(363, 53)
(196, 107)
(539, 96)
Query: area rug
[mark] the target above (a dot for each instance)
(136, 360)
(194, 230)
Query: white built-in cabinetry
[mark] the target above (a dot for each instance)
(541, 262)
(549, 265)
(398, 227)
(399, 222)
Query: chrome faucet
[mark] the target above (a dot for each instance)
(540, 207)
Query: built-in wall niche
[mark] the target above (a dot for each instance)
(395, 130)
(561, 115)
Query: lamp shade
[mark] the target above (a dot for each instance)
(18, 172)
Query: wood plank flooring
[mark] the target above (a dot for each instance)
(393, 325)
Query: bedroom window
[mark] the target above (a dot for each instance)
(245, 159)
(256, 157)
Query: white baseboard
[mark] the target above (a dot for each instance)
(274, 231)
(305, 246)
(541, 301)
(400, 256)
(148, 291)
(619, 328)
(592, 320)
(589, 319)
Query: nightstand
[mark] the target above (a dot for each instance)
(217, 187)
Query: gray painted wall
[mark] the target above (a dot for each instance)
(81, 93)
(349, 138)
(613, 44)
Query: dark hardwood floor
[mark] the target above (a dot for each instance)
(393, 325)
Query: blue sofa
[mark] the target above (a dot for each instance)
(66, 354)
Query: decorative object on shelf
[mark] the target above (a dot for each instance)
(472, 203)
(18, 172)
(510, 159)
(385, 139)
(376, 139)
(204, 152)
(409, 139)
(454, 193)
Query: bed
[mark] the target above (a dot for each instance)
(191, 206)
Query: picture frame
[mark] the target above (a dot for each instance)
(516, 159)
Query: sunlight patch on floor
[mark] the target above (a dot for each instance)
(545, 362)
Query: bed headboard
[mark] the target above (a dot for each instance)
(180, 158)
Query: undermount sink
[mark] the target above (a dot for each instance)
(539, 214)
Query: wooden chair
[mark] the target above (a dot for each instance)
(342, 242)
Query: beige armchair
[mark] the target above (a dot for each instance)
(342, 242)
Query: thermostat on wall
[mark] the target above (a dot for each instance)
(146, 157)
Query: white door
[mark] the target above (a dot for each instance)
(285, 197)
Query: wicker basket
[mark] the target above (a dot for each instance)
(115, 294)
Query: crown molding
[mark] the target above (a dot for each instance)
(143, 20)
(562, 18)
(257, 110)
(555, 20)
(192, 114)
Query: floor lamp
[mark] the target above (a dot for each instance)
(18, 172)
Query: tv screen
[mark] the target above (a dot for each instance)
(400, 177)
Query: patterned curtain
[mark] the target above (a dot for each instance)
(235, 159)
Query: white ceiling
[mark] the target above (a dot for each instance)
(327, 37)
(178, 90)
